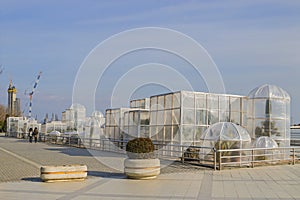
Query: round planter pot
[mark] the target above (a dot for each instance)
(142, 168)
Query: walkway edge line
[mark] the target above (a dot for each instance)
(21, 158)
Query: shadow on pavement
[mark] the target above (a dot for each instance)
(116, 175)
(72, 151)
(112, 175)
(32, 179)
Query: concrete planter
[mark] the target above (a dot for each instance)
(63, 173)
(142, 168)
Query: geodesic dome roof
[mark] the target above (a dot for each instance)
(97, 114)
(56, 133)
(265, 142)
(268, 91)
(226, 131)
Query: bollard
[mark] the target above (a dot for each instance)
(63, 173)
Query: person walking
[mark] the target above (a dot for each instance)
(35, 134)
(30, 134)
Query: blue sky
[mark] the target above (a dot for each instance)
(252, 42)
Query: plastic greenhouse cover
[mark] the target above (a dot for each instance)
(97, 114)
(57, 133)
(268, 91)
(265, 142)
(77, 106)
(226, 131)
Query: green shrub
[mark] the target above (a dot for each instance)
(140, 148)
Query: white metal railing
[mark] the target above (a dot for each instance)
(253, 156)
(162, 150)
(295, 142)
(206, 156)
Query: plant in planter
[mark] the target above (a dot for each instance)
(222, 145)
(191, 154)
(140, 148)
(141, 162)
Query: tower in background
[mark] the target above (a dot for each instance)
(14, 103)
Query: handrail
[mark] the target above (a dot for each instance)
(259, 155)
(249, 149)
(207, 156)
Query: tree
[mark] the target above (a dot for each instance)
(268, 127)
(2, 112)
(2, 118)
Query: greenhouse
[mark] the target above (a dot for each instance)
(140, 103)
(269, 114)
(74, 117)
(178, 118)
(265, 142)
(94, 125)
(266, 154)
(136, 124)
(19, 126)
(114, 123)
(93, 129)
(53, 126)
(225, 135)
(219, 121)
(182, 117)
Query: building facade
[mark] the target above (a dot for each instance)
(14, 103)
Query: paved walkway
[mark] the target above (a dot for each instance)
(19, 178)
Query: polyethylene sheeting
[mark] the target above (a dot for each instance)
(265, 142)
(226, 131)
(268, 91)
(269, 114)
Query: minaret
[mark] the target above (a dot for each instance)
(13, 101)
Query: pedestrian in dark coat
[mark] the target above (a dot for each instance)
(35, 134)
(30, 135)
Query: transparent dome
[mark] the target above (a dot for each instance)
(226, 131)
(265, 142)
(268, 91)
(269, 114)
(55, 133)
(225, 135)
(267, 154)
(97, 114)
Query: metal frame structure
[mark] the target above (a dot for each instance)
(269, 114)
(182, 117)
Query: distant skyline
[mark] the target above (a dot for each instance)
(252, 43)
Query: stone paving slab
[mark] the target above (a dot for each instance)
(14, 169)
(41, 154)
(19, 172)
